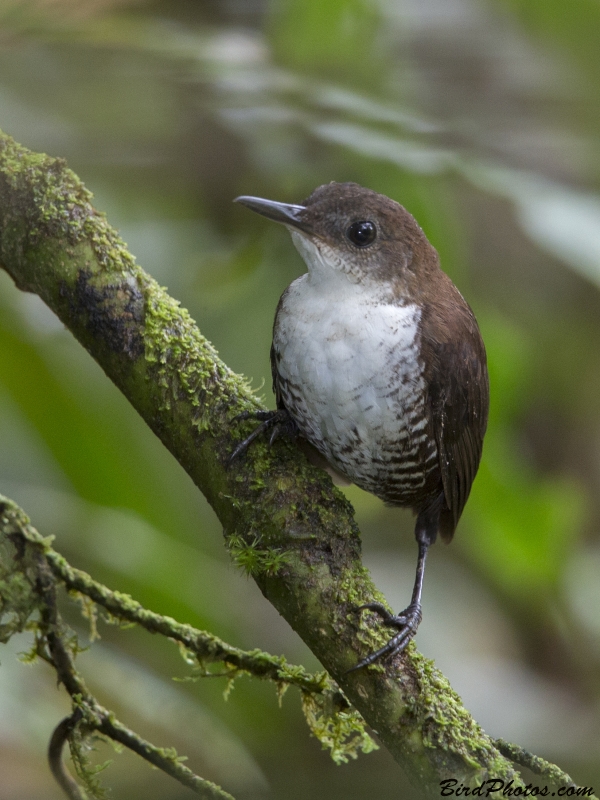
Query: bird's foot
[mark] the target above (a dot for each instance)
(278, 422)
(406, 623)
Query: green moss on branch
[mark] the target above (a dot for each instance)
(27, 554)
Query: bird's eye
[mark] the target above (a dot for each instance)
(362, 233)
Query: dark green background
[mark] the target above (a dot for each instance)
(482, 118)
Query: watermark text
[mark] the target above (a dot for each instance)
(496, 788)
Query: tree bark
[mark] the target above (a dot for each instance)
(296, 529)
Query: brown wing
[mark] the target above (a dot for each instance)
(457, 377)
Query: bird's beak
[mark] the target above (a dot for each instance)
(285, 213)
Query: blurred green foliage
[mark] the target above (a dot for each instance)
(323, 39)
(531, 521)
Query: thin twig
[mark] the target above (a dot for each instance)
(537, 765)
(97, 717)
(57, 766)
(169, 763)
(206, 646)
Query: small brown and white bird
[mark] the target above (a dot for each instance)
(378, 364)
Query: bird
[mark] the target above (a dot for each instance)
(379, 367)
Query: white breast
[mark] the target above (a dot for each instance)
(350, 376)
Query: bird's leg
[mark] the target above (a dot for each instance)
(278, 422)
(407, 622)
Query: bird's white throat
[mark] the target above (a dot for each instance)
(324, 262)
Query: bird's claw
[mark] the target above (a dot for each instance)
(280, 421)
(406, 623)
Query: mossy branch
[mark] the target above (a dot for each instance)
(27, 584)
(203, 646)
(274, 507)
(29, 562)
